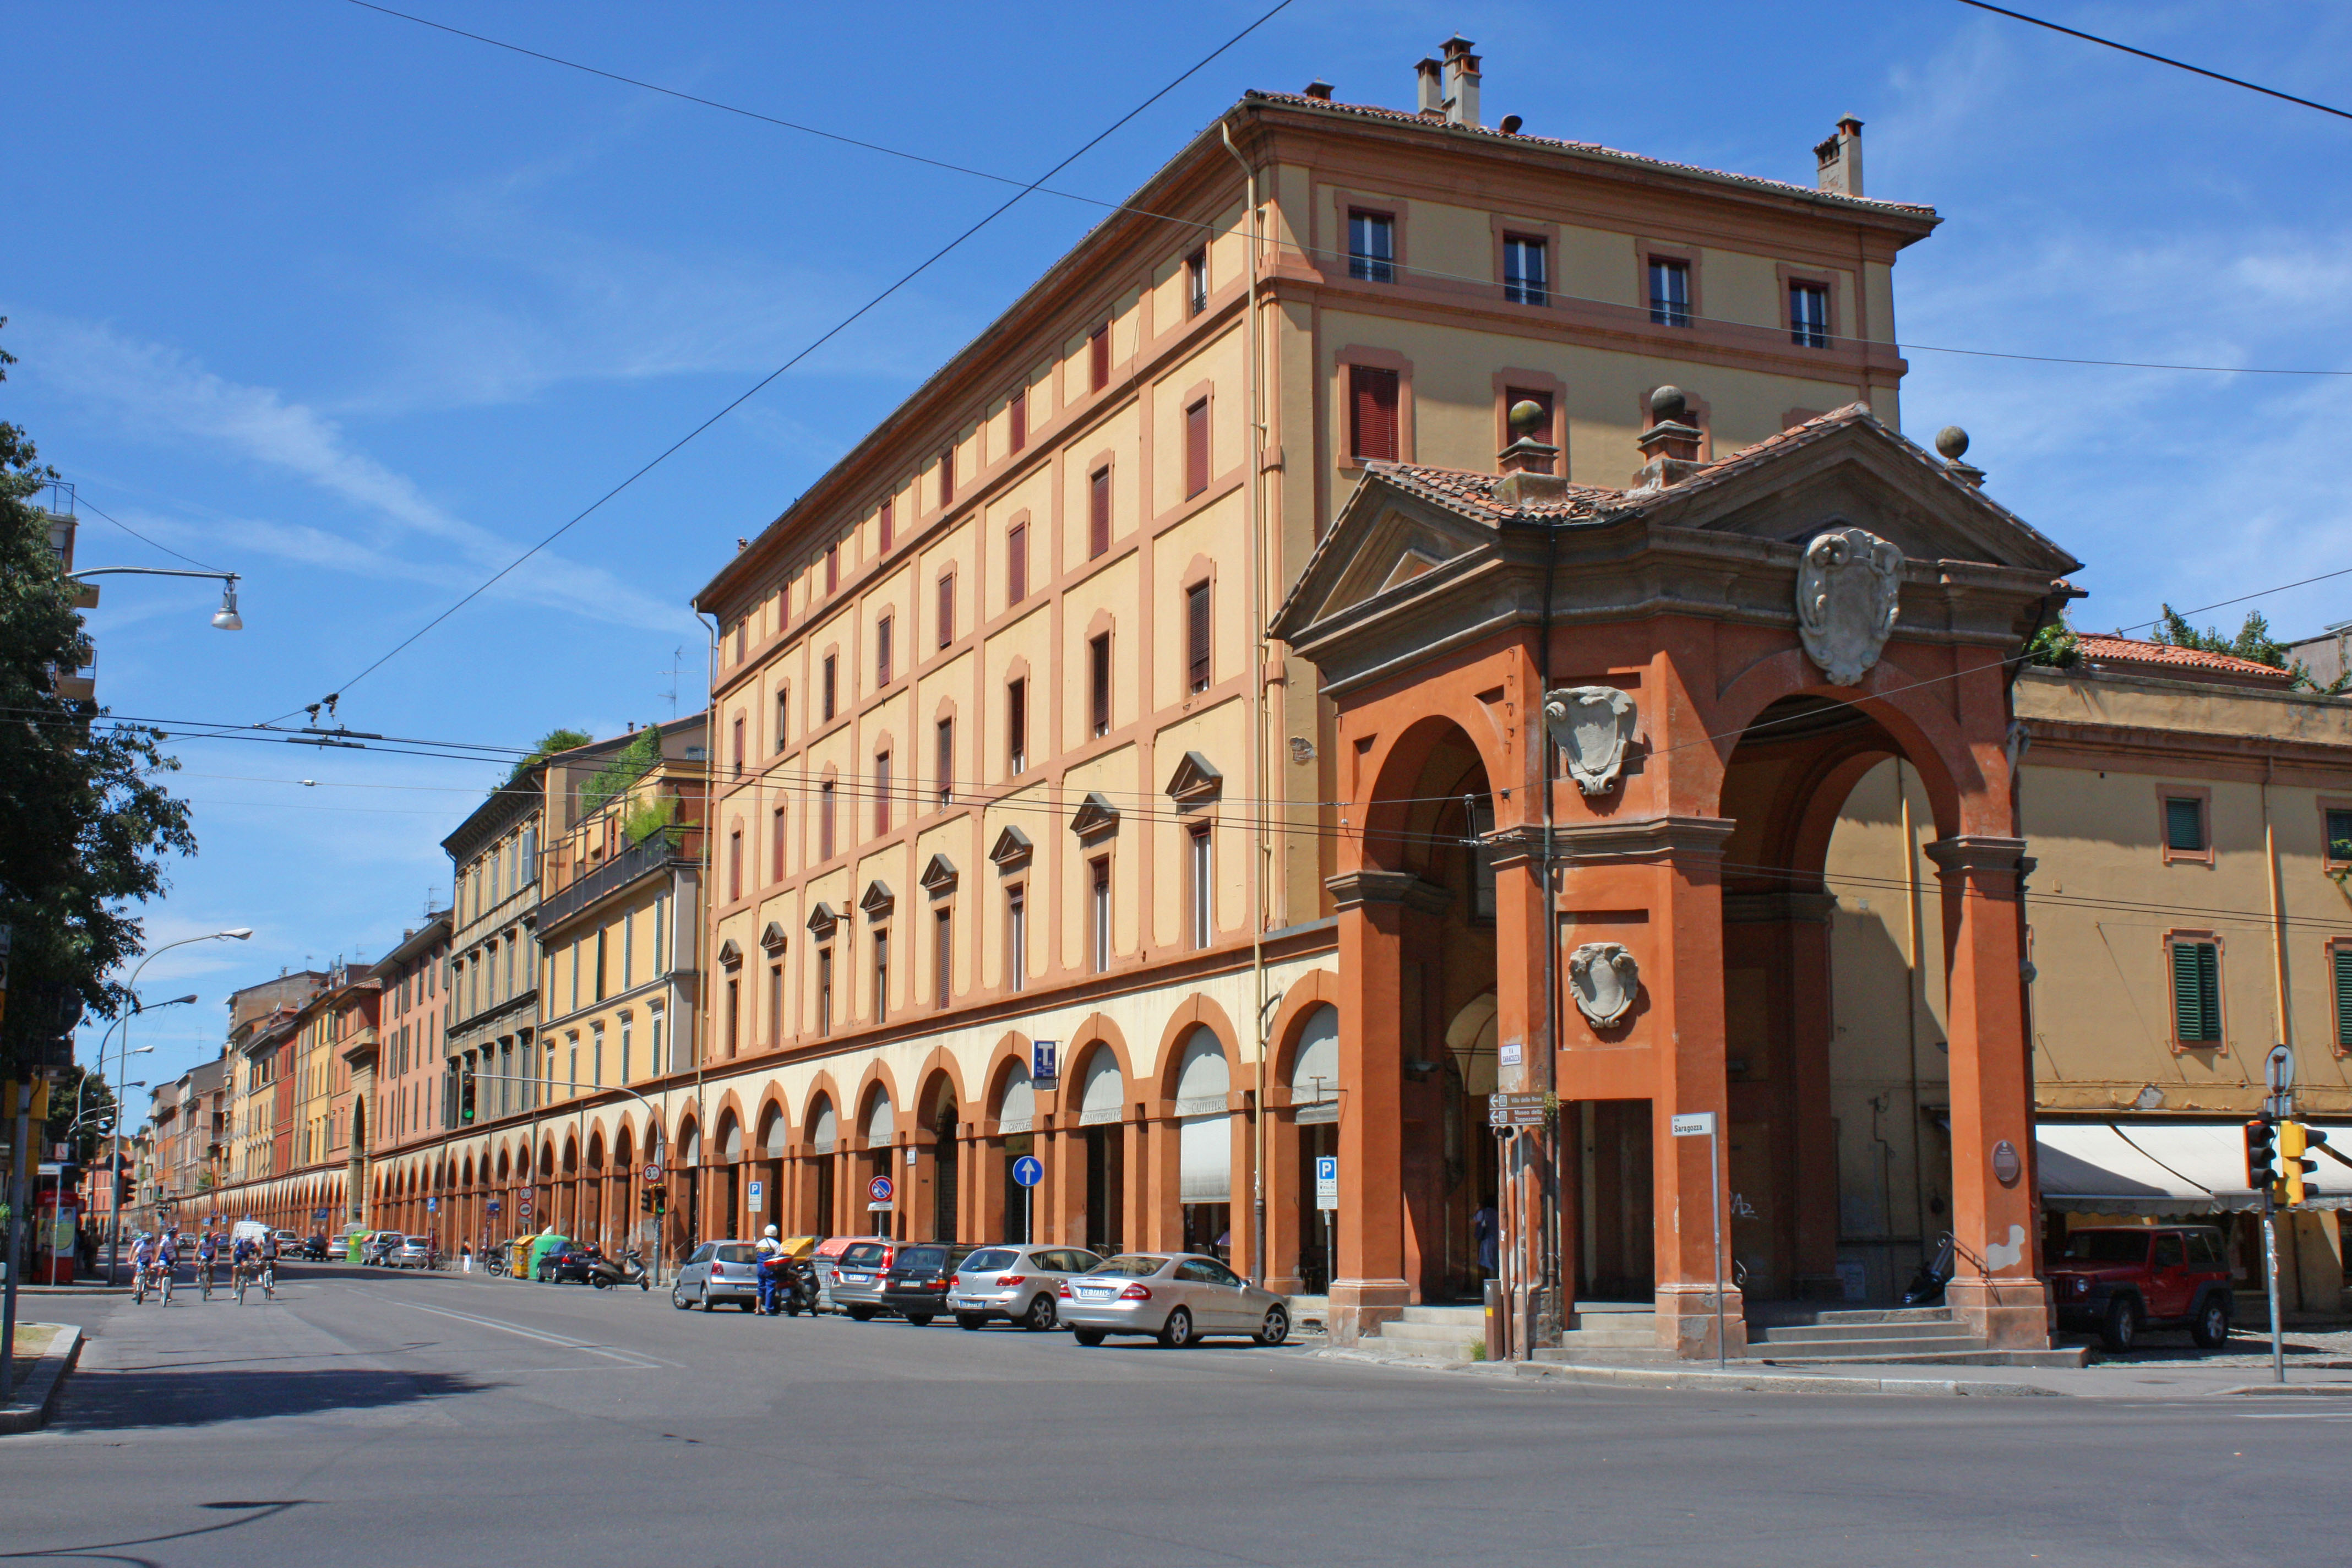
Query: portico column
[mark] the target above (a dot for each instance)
(1370, 1288)
(1523, 1042)
(1994, 1286)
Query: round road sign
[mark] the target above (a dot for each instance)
(1028, 1170)
(880, 1189)
(653, 1173)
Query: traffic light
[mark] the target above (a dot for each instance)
(661, 1201)
(466, 1095)
(2260, 1148)
(646, 1201)
(2295, 1139)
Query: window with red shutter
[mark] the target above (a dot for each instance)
(1016, 563)
(1016, 726)
(832, 568)
(776, 845)
(1372, 396)
(735, 864)
(881, 792)
(824, 799)
(1017, 418)
(947, 609)
(738, 744)
(889, 525)
(882, 640)
(947, 476)
(1196, 448)
(1098, 357)
(1196, 637)
(1099, 513)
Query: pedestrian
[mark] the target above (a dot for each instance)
(465, 1252)
(1488, 1233)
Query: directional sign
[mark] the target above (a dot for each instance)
(1045, 1061)
(653, 1173)
(1327, 1181)
(319, 1215)
(494, 1205)
(1515, 1111)
(756, 1190)
(1028, 1170)
(879, 1189)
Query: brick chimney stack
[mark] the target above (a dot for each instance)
(1461, 82)
(1841, 159)
(1432, 77)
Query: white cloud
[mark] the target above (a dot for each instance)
(154, 390)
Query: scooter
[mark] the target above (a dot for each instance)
(1926, 1287)
(629, 1268)
(794, 1287)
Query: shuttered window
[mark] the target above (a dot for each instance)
(2184, 825)
(1017, 565)
(1196, 637)
(947, 476)
(889, 525)
(1098, 357)
(824, 799)
(1016, 418)
(1099, 513)
(2340, 961)
(776, 845)
(2339, 836)
(1196, 448)
(2197, 992)
(881, 792)
(882, 649)
(1372, 419)
(1016, 726)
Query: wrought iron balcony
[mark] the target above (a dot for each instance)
(638, 859)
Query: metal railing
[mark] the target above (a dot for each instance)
(649, 853)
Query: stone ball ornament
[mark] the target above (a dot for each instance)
(1605, 981)
(1591, 725)
(1952, 442)
(1526, 417)
(1848, 585)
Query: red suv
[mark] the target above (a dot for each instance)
(2121, 1278)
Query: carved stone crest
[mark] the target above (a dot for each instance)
(1846, 592)
(1604, 980)
(1591, 725)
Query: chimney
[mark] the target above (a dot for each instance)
(1670, 443)
(1461, 82)
(1953, 443)
(1319, 91)
(1841, 159)
(1433, 87)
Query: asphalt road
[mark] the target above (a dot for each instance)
(397, 1419)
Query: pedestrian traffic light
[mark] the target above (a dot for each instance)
(646, 1201)
(2295, 1139)
(2261, 1174)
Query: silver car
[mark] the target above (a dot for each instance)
(851, 1278)
(410, 1252)
(1017, 1283)
(718, 1271)
(1178, 1298)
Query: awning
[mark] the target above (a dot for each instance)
(2164, 1168)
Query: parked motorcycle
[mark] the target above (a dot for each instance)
(494, 1261)
(629, 1268)
(794, 1285)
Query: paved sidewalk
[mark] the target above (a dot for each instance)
(40, 1377)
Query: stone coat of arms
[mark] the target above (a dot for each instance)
(1846, 593)
(1591, 725)
(1604, 980)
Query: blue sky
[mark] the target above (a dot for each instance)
(358, 310)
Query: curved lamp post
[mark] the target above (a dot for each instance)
(235, 933)
(225, 618)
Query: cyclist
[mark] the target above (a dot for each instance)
(167, 1260)
(207, 1252)
(269, 1264)
(142, 1259)
(240, 1260)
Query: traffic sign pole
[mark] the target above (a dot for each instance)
(1701, 1124)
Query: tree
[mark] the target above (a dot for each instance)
(554, 741)
(81, 1111)
(634, 761)
(2253, 641)
(88, 825)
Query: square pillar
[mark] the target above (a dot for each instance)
(1995, 1287)
(1523, 1026)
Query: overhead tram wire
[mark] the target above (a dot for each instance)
(827, 336)
(1318, 252)
(2159, 59)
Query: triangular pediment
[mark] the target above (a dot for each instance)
(1196, 779)
(1094, 817)
(773, 936)
(878, 900)
(823, 919)
(1399, 543)
(730, 952)
(1852, 473)
(938, 876)
(1011, 848)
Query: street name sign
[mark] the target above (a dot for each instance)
(1695, 1124)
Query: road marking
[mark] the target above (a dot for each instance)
(2292, 1415)
(630, 1358)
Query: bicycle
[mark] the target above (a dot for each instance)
(269, 1279)
(139, 1283)
(204, 1278)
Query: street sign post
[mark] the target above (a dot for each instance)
(653, 1173)
(879, 1189)
(1517, 1109)
(1045, 1061)
(1701, 1124)
(2278, 1079)
(755, 1197)
(432, 1205)
(494, 1205)
(1327, 1181)
(1028, 1170)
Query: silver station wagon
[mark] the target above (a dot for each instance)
(1014, 1283)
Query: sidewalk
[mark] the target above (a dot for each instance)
(40, 1374)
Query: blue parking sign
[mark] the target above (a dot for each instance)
(1028, 1170)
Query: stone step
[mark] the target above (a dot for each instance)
(1471, 1317)
(2075, 1356)
(1777, 1316)
(1828, 1334)
(1628, 1329)
(1432, 1339)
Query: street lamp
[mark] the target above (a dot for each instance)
(225, 618)
(235, 933)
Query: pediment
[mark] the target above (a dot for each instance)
(1384, 539)
(877, 900)
(1096, 815)
(1196, 779)
(730, 953)
(773, 936)
(938, 876)
(1860, 475)
(823, 919)
(1011, 848)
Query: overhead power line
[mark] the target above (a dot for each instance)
(2160, 59)
(1272, 244)
(82, 501)
(828, 335)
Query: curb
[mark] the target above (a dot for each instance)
(1700, 1382)
(2288, 1390)
(31, 1412)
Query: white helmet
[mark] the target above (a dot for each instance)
(769, 1232)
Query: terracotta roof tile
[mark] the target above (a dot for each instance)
(1474, 493)
(1786, 187)
(2160, 656)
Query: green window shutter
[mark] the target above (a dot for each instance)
(2339, 836)
(2184, 825)
(2195, 990)
(2343, 957)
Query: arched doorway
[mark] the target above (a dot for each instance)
(1016, 1118)
(775, 1140)
(823, 1215)
(1102, 1136)
(946, 1159)
(1314, 1098)
(880, 1127)
(1205, 1143)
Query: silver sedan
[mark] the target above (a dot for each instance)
(1177, 1298)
